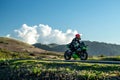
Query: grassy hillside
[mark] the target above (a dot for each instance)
(17, 46)
(14, 49)
(11, 48)
(49, 70)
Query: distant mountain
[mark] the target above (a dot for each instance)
(51, 47)
(94, 48)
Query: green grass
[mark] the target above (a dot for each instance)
(6, 54)
(105, 58)
(50, 70)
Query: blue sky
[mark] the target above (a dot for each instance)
(97, 20)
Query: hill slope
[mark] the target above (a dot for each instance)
(94, 48)
(17, 46)
(11, 48)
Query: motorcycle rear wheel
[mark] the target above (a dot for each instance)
(67, 55)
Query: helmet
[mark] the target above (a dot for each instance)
(77, 36)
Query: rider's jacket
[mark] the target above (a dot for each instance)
(75, 44)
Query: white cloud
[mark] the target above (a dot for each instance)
(27, 34)
(8, 35)
(43, 34)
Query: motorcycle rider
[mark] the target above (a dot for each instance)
(77, 49)
(75, 44)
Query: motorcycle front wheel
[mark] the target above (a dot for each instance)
(83, 55)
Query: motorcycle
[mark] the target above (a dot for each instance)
(80, 53)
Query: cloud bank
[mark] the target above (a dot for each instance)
(43, 34)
